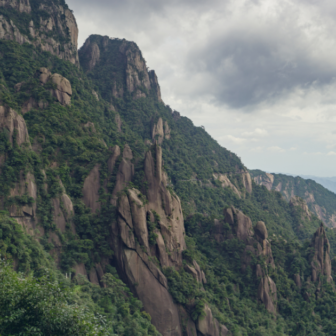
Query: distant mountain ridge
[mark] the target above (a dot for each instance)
(327, 182)
(320, 200)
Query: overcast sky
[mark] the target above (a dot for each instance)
(259, 75)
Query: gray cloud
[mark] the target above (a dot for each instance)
(218, 58)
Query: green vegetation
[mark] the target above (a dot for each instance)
(67, 142)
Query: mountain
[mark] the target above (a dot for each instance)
(320, 201)
(327, 182)
(120, 217)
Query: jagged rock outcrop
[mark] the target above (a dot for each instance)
(256, 244)
(130, 240)
(137, 80)
(226, 183)
(125, 172)
(301, 204)
(155, 84)
(25, 186)
(57, 33)
(241, 225)
(247, 181)
(266, 180)
(308, 190)
(209, 326)
(63, 91)
(160, 131)
(321, 263)
(91, 189)
(267, 293)
(261, 236)
(11, 121)
(196, 272)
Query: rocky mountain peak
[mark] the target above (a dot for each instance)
(52, 27)
(124, 66)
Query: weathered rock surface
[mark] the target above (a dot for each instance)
(125, 172)
(137, 80)
(91, 189)
(130, 241)
(11, 121)
(157, 132)
(63, 92)
(321, 263)
(267, 293)
(59, 25)
(300, 203)
(241, 224)
(308, 190)
(226, 183)
(209, 326)
(155, 84)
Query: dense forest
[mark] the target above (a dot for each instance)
(120, 217)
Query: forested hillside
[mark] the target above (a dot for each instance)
(320, 201)
(120, 217)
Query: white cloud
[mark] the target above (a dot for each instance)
(276, 149)
(262, 71)
(331, 153)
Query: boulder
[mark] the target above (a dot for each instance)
(115, 153)
(63, 91)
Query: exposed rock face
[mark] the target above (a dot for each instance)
(61, 24)
(25, 185)
(23, 6)
(321, 263)
(12, 121)
(241, 224)
(91, 189)
(296, 186)
(300, 203)
(157, 132)
(63, 211)
(261, 236)
(226, 183)
(196, 272)
(125, 172)
(137, 80)
(155, 84)
(133, 251)
(115, 153)
(209, 326)
(63, 92)
(257, 244)
(267, 293)
(267, 180)
(247, 181)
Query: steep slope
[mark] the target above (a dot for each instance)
(320, 201)
(114, 184)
